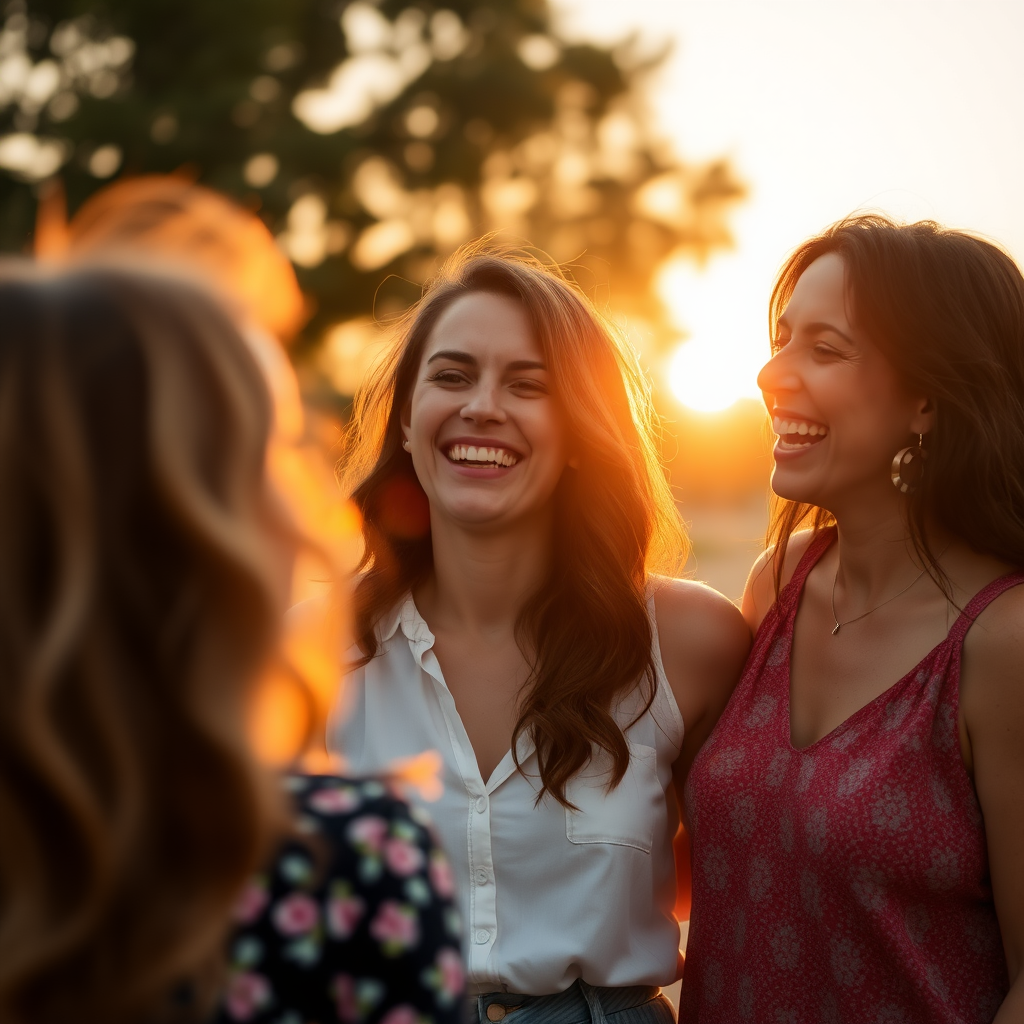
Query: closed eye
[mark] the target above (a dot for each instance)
(529, 386)
(822, 350)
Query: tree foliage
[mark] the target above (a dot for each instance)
(372, 138)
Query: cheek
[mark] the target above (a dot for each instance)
(427, 411)
(545, 430)
(870, 414)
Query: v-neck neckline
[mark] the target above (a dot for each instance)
(886, 695)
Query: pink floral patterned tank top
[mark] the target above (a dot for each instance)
(847, 881)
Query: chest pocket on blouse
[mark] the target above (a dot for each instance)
(623, 817)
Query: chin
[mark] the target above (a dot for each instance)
(786, 485)
(475, 514)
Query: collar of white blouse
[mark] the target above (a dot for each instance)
(421, 642)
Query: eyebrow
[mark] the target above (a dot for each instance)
(820, 325)
(454, 356)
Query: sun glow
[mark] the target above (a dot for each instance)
(721, 310)
(701, 378)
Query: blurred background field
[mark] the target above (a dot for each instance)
(668, 154)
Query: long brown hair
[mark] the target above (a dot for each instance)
(139, 602)
(586, 631)
(947, 310)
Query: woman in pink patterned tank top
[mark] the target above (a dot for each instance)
(857, 816)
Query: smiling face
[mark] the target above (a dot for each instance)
(838, 407)
(486, 435)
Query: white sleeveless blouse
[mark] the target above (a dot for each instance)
(547, 895)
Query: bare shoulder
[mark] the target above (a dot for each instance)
(759, 593)
(704, 643)
(994, 650)
(695, 611)
(992, 706)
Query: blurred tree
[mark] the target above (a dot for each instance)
(372, 138)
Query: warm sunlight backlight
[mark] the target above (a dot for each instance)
(721, 309)
(701, 378)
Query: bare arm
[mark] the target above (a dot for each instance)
(704, 642)
(992, 711)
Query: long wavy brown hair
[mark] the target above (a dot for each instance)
(947, 310)
(141, 558)
(586, 632)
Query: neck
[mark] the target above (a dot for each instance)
(480, 581)
(875, 550)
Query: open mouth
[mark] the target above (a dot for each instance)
(796, 433)
(470, 455)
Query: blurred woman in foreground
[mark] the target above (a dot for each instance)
(169, 220)
(145, 564)
(858, 815)
(509, 617)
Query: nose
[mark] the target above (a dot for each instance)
(778, 375)
(483, 404)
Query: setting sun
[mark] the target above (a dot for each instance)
(701, 377)
(720, 310)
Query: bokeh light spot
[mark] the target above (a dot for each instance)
(105, 161)
(261, 169)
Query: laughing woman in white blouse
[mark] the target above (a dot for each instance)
(508, 617)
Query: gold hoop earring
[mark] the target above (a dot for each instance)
(908, 467)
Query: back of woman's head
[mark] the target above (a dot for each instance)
(947, 310)
(587, 631)
(140, 595)
(168, 217)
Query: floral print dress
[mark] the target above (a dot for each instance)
(355, 926)
(847, 881)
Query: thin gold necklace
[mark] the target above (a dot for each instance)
(864, 615)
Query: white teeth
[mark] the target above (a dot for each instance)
(799, 427)
(471, 453)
